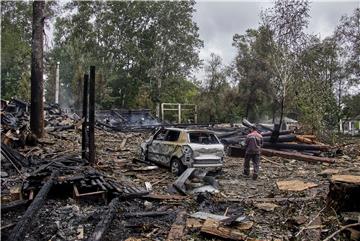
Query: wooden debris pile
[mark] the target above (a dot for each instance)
(15, 119)
(286, 144)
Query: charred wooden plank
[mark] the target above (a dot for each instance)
(19, 231)
(178, 227)
(133, 195)
(146, 214)
(164, 197)
(104, 224)
(100, 184)
(13, 205)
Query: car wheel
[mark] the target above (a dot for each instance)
(177, 167)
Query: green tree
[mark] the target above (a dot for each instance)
(314, 90)
(211, 105)
(348, 37)
(135, 46)
(286, 21)
(352, 106)
(252, 72)
(15, 48)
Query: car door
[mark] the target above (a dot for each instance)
(162, 148)
(155, 147)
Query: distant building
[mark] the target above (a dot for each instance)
(351, 126)
(287, 123)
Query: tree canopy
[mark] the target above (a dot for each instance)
(148, 52)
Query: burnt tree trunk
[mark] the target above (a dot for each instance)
(85, 117)
(37, 87)
(92, 116)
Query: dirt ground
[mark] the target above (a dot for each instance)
(270, 213)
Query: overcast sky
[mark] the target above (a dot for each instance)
(218, 21)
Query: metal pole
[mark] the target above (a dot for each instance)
(57, 83)
(85, 112)
(179, 113)
(92, 116)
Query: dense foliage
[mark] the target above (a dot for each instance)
(147, 53)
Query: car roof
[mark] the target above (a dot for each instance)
(188, 130)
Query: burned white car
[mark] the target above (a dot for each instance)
(179, 149)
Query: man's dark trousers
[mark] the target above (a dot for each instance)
(256, 163)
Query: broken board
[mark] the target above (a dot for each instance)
(295, 185)
(177, 228)
(214, 228)
(346, 178)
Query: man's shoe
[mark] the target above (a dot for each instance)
(255, 176)
(246, 174)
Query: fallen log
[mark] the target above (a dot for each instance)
(309, 136)
(281, 133)
(296, 156)
(105, 221)
(304, 139)
(298, 147)
(238, 139)
(281, 138)
(228, 134)
(178, 227)
(19, 231)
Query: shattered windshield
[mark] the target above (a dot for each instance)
(203, 138)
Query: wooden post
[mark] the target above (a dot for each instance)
(92, 116)
(85, 113)
(57, 83)
(179, 113)
(162, 112)
(37, 83)
(196, 115)
(19, 231)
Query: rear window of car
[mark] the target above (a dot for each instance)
(203, 138)
(172, 135)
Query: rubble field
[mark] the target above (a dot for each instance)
(289, 200)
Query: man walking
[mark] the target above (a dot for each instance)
(253, 144)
